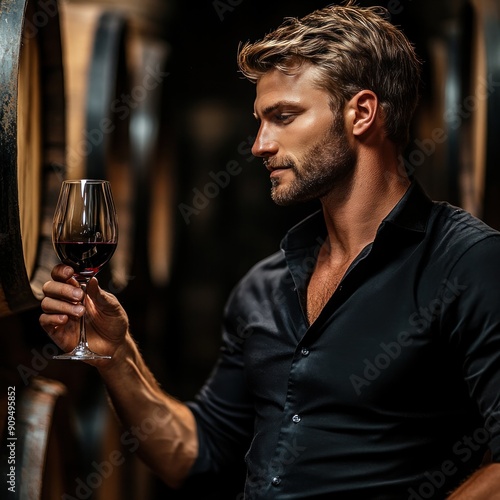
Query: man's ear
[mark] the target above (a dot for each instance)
(361, 111)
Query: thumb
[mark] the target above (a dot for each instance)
(104, 304)
(98, 296)
(93, 290)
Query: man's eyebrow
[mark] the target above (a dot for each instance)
(273, 107)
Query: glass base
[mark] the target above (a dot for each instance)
(81, 353)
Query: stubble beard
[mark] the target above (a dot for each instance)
(328, 165)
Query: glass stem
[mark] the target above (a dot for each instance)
(82, 342)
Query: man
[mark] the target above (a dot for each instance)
(362, 360)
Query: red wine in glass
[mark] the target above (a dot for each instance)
(85, 258)
(85, 235)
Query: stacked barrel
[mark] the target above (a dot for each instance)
(82, 87)
(456, 149)
(82, 95)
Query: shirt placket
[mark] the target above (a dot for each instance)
(289, 447)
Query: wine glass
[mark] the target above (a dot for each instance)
(84, 235)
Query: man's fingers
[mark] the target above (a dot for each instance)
(62, 272)
(50, 305)
(50, 322)
(63, 291)
(56, 326)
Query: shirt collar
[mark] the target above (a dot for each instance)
(411, 213)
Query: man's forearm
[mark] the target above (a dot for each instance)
(484, 484)
(164, 428)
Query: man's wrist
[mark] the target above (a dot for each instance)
(121, 358)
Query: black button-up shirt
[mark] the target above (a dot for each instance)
(393, 392)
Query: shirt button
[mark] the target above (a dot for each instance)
(304, 351)
(276, 480)
(296, 419)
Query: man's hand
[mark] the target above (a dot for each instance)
(106, 320)
(484, 484)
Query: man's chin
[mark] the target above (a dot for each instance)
(279, 197)
(284, 198)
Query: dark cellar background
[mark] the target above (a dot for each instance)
(208, 128)
(241, 224)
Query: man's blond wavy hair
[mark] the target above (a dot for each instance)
(355, 48)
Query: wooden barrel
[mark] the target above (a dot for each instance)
(116, 79)
(32, 147)
(108, 117)
(148, 17)
(480, 109)
(136, 158)
(434, 153)
(97, 82)
(47, 450)
(152, 158)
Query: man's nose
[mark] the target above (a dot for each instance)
(265, 145)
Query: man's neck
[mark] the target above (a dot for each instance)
(353, 219)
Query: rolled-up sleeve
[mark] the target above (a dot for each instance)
(223, 408)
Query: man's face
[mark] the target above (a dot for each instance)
(303, 145)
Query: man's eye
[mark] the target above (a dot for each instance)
(283, 117)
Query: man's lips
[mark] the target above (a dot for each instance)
(276, 168)
(277, 171)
